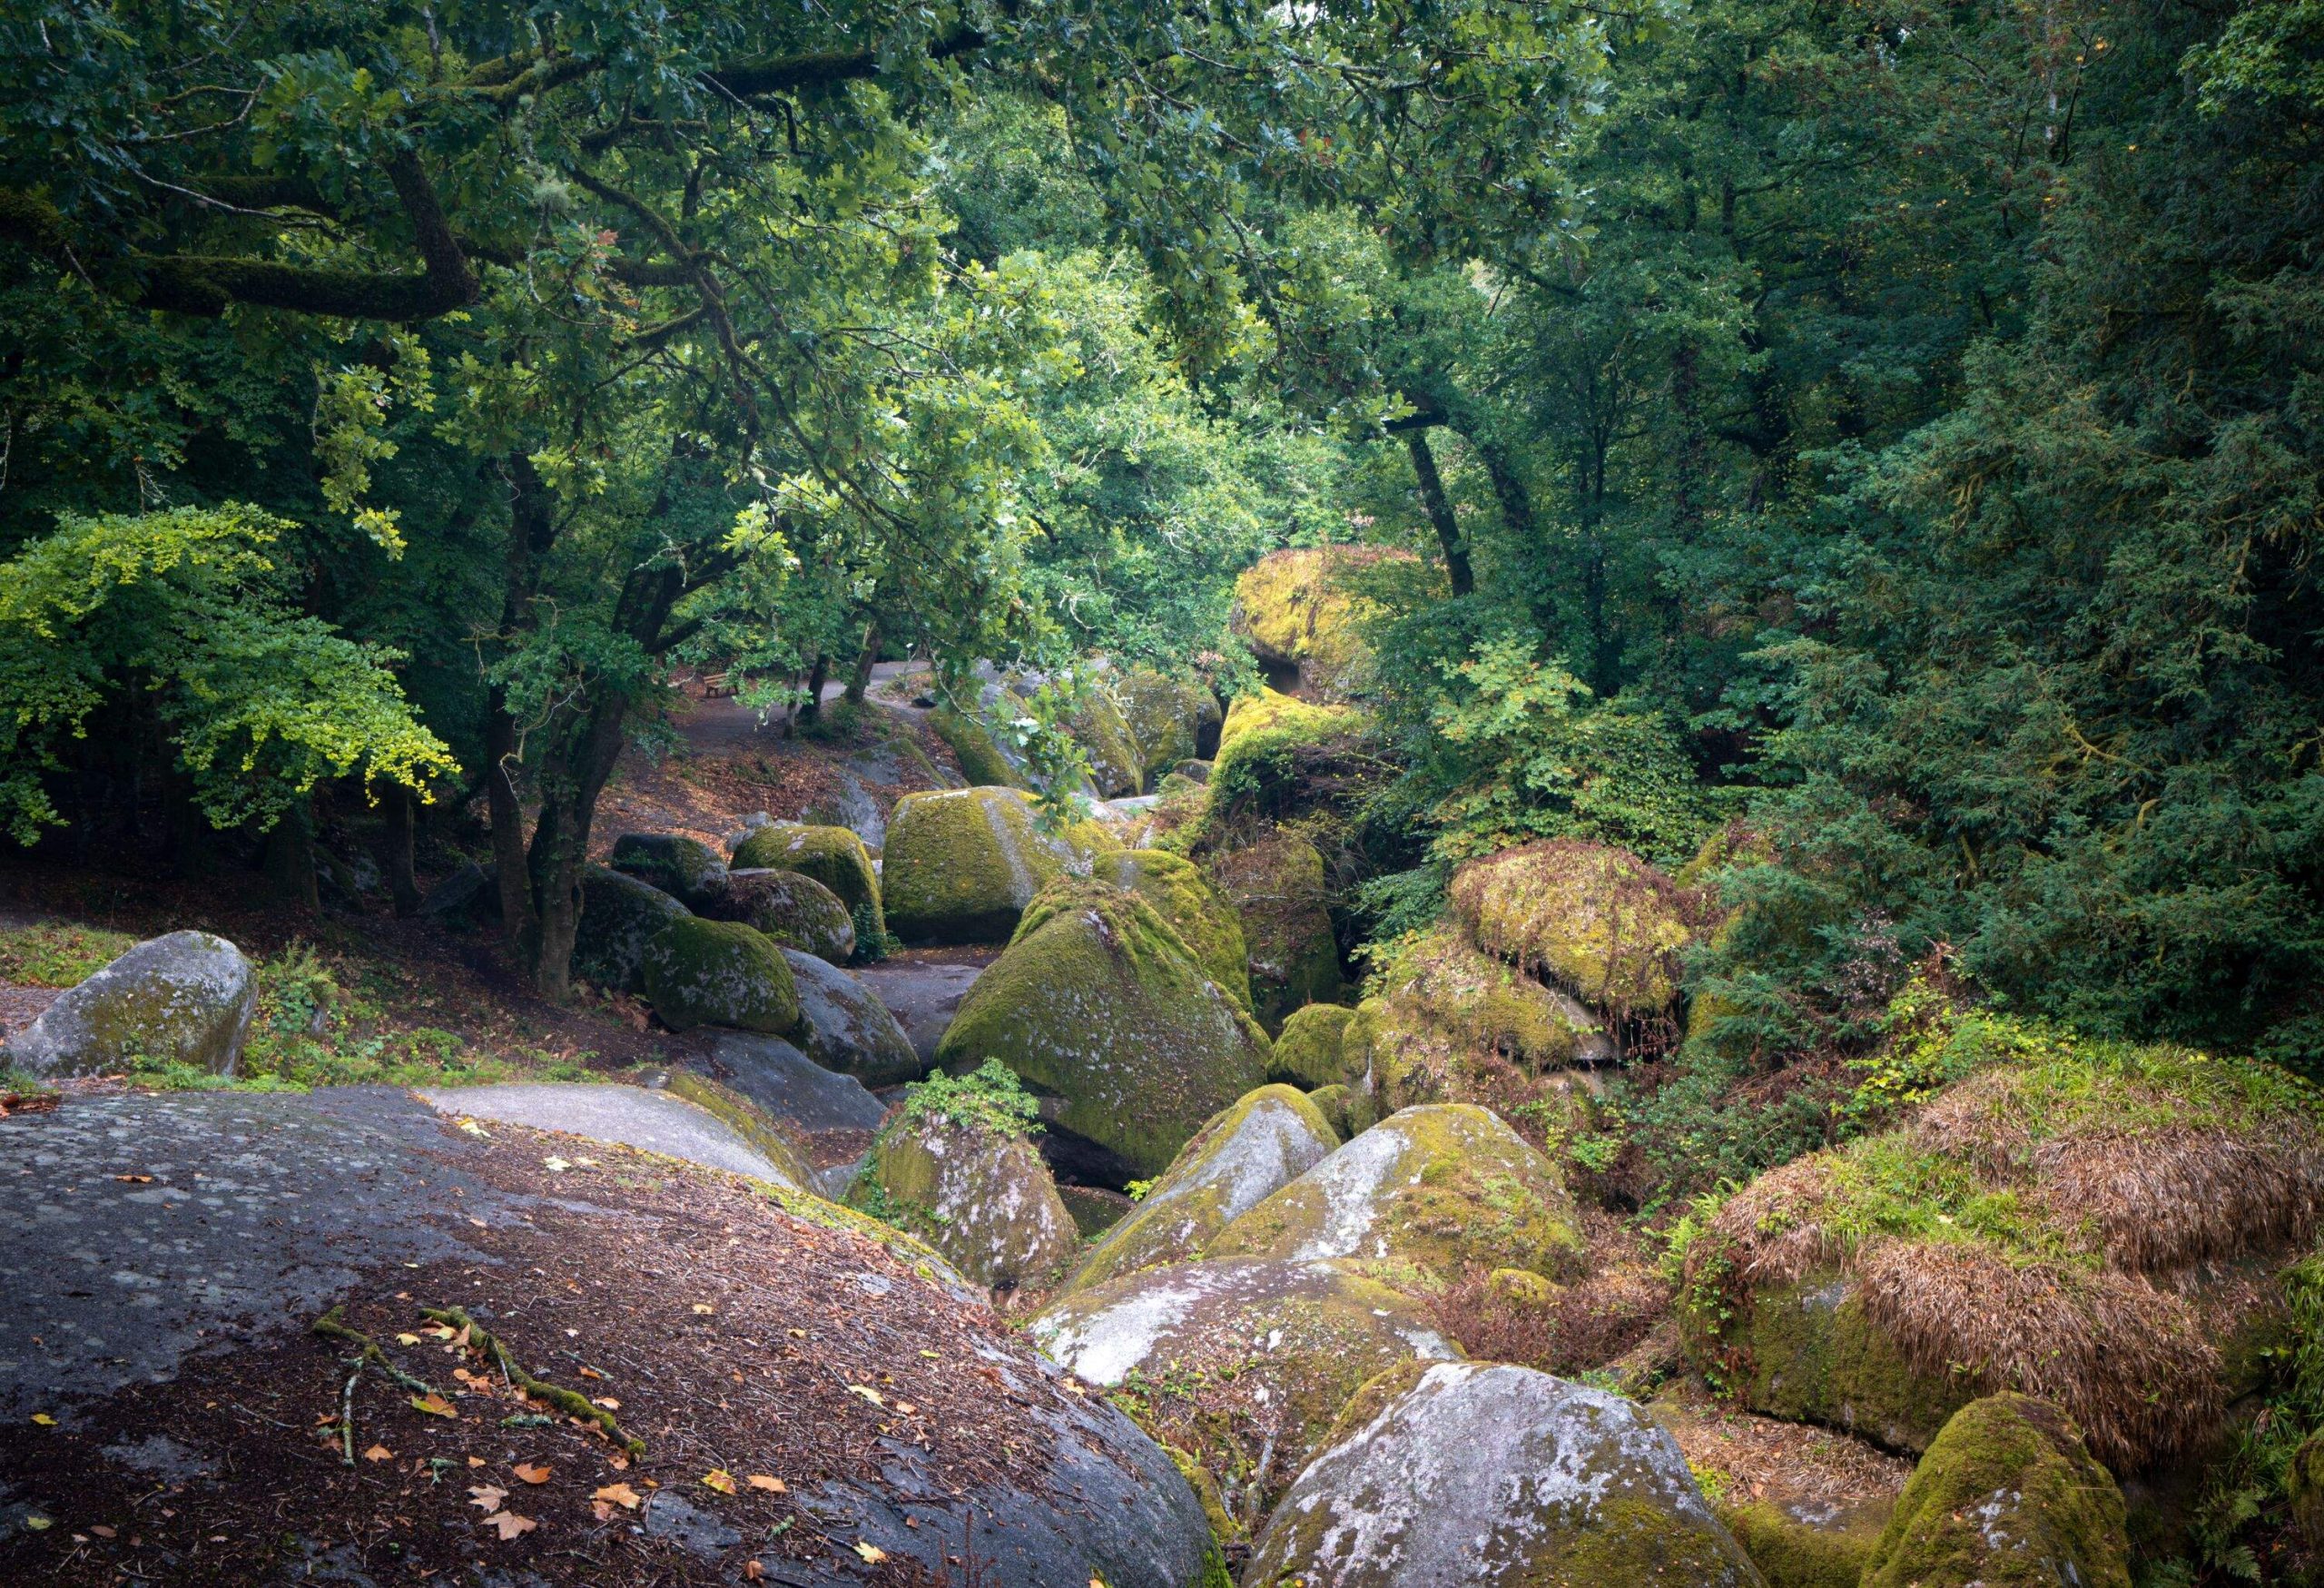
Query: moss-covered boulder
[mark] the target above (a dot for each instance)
(961, 865)
(687, 868)
(1116, 765)
(1185, 898)
(1169, 717)
(1094, 1208)
(2006, 1497)
(1424, 1196)
(1242, 1363)
(1793, 1554)
(1279, 756)
(1309, 1053)
(720, 974)
(620, 914)
(1595, 918)
(1101, 1011)
(980, 1195)
(981, 760)
(777, 1139)
(1452, 1473)
(1350, 1111)
(791, 907)
(184, 998)
(844, 1026)
(1295, 608)
(1239, 1159)
(2096, 1223)
(1277, 886)
(832, 855)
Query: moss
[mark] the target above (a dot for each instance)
(1521, 1288)
(1596, 918)
(1350, 1110)
(1436, 1190)
(1276, 887)
(1266, 746)
(1240, 1155)
(1224, 1528)
(1100, 1009)
(1185, 898)
(981, 761)
(1166, 716)
(720, 972)
(178, 1005)
(981, 1197)
(832, 855)
(961, 865)
(1097, 725)
(619, 916)
(1293, 607)
(1309, 1052)
(745, 1118)
(685, 868)
(1448, 1024)
(2304, 1489)
(1813, 1356)
(2006, 1497)
(792, 909)
(1790, 1554)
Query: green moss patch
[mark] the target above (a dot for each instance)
(722, 973)
(832, 855)
(1309, 1052)
(1183, 896)
(1596, 919)
(961, 865)
(1276, 887)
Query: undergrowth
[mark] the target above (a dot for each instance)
(990, 1096)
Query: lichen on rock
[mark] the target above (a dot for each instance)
(1295, 608)
(791, 907)
(687, 868)
(980, 1196)
(1101, 1010)
(1309, 1053)
(1277, 886)
(1424, 1196)
(1240, 1158)
(1169, 718)
(720, 974)
(184, 998)
(1185, 898)
(2006, 1497)
(1451, 1473)
(1242, 1363)
(961, 865)
(620, 914)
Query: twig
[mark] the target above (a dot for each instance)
(347, 1418)
(570, 1402)
(332, 1326)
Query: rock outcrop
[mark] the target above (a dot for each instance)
(1185, 898)
(720, 974)
(1598, 920)
(620, 914)
(789, 907)
(184, 998)
(961, 865)
(1310, 1050)
(980, 1196)
(1277, 886)
(832, 855)
(844, 1026)
(687, 868)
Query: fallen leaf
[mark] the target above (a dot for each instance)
(556, 1166)
(607, 1402)
(479, 1223)
(601, 1510)
(135, 1179)
(472, 1127)
(753, 1572)
(591, 1373)
(906, 1408)
(476, 1460)
(510, 1524)
(44, 1419)
(101, 1531)
(620, 1495)
(867, 1392)
(618, 1462)
(407, 1339)
(433, 1404)
(759, 1480)
(719, 1478)
(379, 1453)
(530, 1473)
(871, 1552)
(703, 1307)
(487, 1497)
(38, 1523)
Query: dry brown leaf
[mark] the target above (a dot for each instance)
(379, 1453)
(607, 1402)
(704, 1308)
(871, 1552)
(719, 1478)
(867, 1392)
(135, 1179)
(759, 1480)
(510, 1524)
(591, 1373)
(433, 1404)
(620, 1495)
(753, 1572)
(487, 1497)
(531, 1472)
(476, 1460)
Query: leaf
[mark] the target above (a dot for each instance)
(407, 1339)
(39, 1523)
(433, 1404)
(487, 1497)
(530, 1472)
(871, 1552)
(607, 1402)
(510, 1524)
(719, 1478)
(556, 1166)
(754, 1571)
(704, 1307)
(759, 1480)
(135, 1179)
(44, 1419)
(620, 1495)
(379, 1453)
(867, 1392)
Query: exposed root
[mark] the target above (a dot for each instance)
(572, 1403)
(332, 1326)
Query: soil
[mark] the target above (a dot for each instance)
(1819, 1476)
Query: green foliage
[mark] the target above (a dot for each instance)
(58, 953)
(989, 1096)
(184, 615)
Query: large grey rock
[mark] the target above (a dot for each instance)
(630, 1116)
(1458, 1472)
(619, 916)
(186, 998)
(687, 868)
(846, 1027)
(922, 988)
(982, 1197)
(791, 907)
(1242, 1157)
(788, 1085)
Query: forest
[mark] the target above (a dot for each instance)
(1703, 615)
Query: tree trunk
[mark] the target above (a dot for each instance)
(560, 846)
(289, 859)
(860, 679)
(402, 817)
(812, 711)
(507, 815)
(1508, 488)
(1440, 512)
